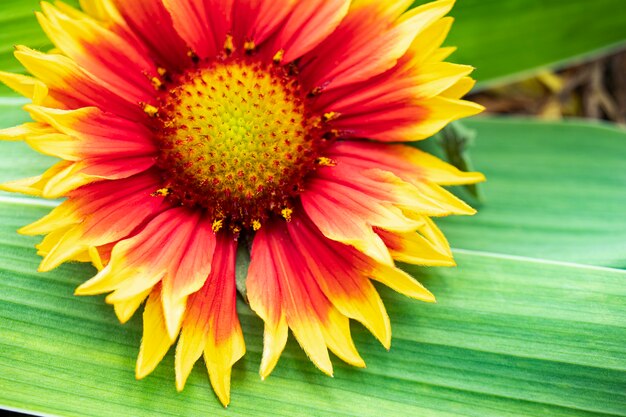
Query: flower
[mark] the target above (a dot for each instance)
(189, 129)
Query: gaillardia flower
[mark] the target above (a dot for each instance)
(188, 128)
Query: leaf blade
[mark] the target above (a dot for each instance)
(554, 190)
(467, 353)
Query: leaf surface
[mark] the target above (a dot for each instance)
(513, 333)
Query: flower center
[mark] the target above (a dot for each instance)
(237, 139)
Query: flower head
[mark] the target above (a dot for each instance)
(186, 129)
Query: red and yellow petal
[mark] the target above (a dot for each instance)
(299, 303)
(414, 248)
(416, 186)
(309, 23)
(211, 326)
(109, 57)
(254, 21)
(341, 274)
(72, 86)
(264, 294)
(364, 198)
(406, 99)
(90, 217)
(387, 32)
(441, 112)
(404, 121)
(407, 162)
(66, 176)
(89, 133)
(153, 25)
(203, 24)
(175, 248)
(95, 146)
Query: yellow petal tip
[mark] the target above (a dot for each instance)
(225, 401)
(80, 291)
(180, 387)
(24, 231)
(140, 371)
(429, 298)
(45, 266)
(386, 344)
(263, 373)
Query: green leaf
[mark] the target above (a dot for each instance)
(510, 335)
(11, 113)
(17, 160)
(553, 191)
(20, 27)
(455, 142)
(509, 39)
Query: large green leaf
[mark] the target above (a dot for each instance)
(510, 336)
(554, 191)
(501, 38)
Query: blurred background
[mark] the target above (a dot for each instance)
(546, 58)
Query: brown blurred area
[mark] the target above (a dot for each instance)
(595, 90)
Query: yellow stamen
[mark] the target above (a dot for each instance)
(249, 46)
(150, 110)
(163, 192)
(286, 213)
(217, 225)
(279, 56)
(325, 162)
(156, 83)
(331, 116)
(162, 71)
(256, 225)
(229, 45)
